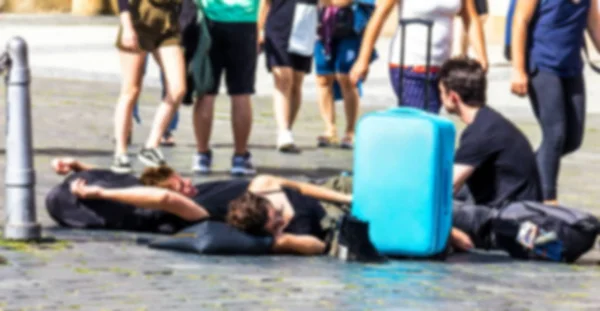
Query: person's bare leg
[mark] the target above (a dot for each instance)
(241, 122)
(296, 96)
(351, 103)
(132, 72)
(173, 65)
(203, 121)
(282, 96)
(326, 103)
(282, 102)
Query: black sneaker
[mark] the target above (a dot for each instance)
(354, 242)
(151, 157)
(241, 165)
(121, 165)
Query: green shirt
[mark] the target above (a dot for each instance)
(231, 11)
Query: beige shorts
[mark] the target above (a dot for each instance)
(155, 23)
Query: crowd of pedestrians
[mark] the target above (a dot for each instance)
(198, 42)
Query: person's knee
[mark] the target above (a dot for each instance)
(344, 81)
(297, 87)
(555, 141)
(176, 92)
(325, 81)
(284, 81)
(204, 107)
(131, 93)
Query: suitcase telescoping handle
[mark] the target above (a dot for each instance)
(429, 24)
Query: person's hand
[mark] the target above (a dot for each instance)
(461, 240)
(519, 82)
(63, 166)
(484, 65)
(260, 41)
(81, 190)
(359, 72)
(129, 39)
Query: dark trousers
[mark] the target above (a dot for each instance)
(559, 105)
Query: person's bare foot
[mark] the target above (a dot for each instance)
(551, 202)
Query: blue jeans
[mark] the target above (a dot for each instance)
(136, 111)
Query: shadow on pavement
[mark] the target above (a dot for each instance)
(255, 147)
(71, 152)
(320, 172)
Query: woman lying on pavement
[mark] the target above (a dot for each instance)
(296, 213)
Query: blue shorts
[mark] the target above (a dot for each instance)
(343, 55)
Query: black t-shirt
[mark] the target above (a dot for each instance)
(504, 162)
(308, 213)
(216, 196)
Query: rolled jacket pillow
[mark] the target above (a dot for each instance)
(217, 238)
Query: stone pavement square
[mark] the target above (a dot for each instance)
(73, 94)
(112, 271)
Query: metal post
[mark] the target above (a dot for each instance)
(20, 175)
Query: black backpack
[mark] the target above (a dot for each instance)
(575, 231)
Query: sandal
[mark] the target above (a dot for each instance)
(326, 141)
(347, 143)
(167, 140)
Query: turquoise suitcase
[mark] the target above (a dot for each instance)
(403, 161)
(403, 180)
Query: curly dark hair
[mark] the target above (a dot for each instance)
(466, 77)
(156, 176)
(249, 213)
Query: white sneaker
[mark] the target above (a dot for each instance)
(121, 164)
(285, 142)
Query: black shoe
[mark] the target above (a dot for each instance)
(354, 242)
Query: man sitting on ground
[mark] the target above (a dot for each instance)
(494, 158)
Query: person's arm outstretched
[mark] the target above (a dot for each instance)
(268, 183)
(143, 197)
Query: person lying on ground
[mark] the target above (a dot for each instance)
(297, 214)
(494, 159)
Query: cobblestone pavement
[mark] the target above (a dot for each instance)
(115, 271)
(111, 271)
